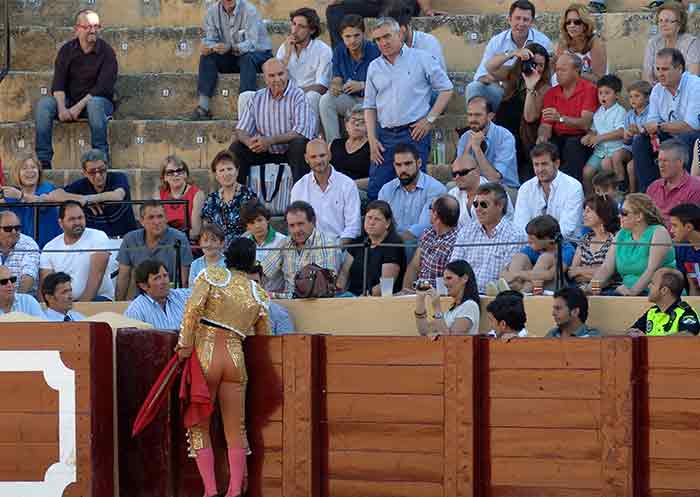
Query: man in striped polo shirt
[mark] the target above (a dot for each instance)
(275, 125)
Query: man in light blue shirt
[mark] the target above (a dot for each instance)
(674, 112)
(492, 146)
(411, 193)
(398, 91)
(58, 295)
(521, 32)
(11, 301)
(158, 304)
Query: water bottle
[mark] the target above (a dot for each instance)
(439, 147)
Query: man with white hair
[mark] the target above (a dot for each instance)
(11, 301)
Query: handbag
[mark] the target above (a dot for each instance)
(314, 282)
(272, 183)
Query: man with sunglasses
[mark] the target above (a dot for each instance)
(19, 253)
(11, 301)
(83, 87)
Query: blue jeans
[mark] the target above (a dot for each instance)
(380, 174)
(645, 167)
(247, 65)
(98, 111)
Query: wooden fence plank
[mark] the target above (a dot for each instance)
(674, 383)
(357, 488)
(554, 354)
(543, 443)
(384, 408)
(384, 379)
(500, 491)
(29, 427)
(617, 417)
(674, 414)
(660, 492)
(384, 351)
(29, 393)
(679, 353)
(385, 437)
(553, 473)
(538, 413)
(674, 474)
(385, 466)
(674, 444)
(547, 383)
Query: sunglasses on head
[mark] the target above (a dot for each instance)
(5, 281)
(10, 229)
(482, 204)
(173, 172)
(575, 22)
(462, 172)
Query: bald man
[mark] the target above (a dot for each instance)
(11, 301)
(275, 125)
(332, 194)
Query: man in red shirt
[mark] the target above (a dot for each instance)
(675, 186)
(568, 114)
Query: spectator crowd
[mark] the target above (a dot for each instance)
(565, 180)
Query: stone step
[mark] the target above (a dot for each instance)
(170, 13)
(147, 96)
(145, 143)
(176, 49)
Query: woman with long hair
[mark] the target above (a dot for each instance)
(176, 184)
(462, 318)
(577, 37)
(225, 307)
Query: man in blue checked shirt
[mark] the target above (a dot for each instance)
(158, 304)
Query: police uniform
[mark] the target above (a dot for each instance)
(680, 317)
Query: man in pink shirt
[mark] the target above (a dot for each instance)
(675, 186)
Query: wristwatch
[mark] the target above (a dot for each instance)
(430, 119)
(561, 119)
(438, 315)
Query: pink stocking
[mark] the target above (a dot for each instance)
(236, 464)
(205, 465)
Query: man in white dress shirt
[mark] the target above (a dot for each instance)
(550, 192)
(58, 295)
(332, 194)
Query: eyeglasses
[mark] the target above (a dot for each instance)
(88, 27)
(10, 229)
(95, 172)
(575, 22)
(175, 172)
(462, 172)
(482, 204)
(5, 281)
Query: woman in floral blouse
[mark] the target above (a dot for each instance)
(223, 206)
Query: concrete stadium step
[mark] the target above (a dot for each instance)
(176, 49)
(145, 143)
(170, 13)
(147, 96)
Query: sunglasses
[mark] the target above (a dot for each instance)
(462, 172)
(175, 172)
(5, 281)
(482, 204)
(87, 27)
(575, 22)
(10, 229)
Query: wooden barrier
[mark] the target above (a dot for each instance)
(56, 428)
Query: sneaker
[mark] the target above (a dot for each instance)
(491, 289)
(597, 8)
(502, 285)
(200, 114)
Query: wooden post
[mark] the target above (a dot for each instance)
(300, 461)
(617, 424)
(459, 457)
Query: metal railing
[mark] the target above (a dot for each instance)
(8, 49)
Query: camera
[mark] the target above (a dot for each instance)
(422, 285)
(528, 66)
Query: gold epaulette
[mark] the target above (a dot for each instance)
(217, 276)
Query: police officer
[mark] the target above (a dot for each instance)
(670, 315)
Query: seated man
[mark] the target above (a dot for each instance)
(675, 186)
(537, 262)
(670, 315)
(491, 226)
(11, 301)
(156, 240)
(83, 87)
(280, 321)
(568, 114)
(685, 229)
(333, 195)
(350, 63)
(411, 193)
(551, 192)
(492, 146)
(674, 112)
(235, 41)
(308, 59)
(91, 280)
(301, 222)
(57, 293)
(157, 304)
(99, 185)
(436, 243)
(275, 125)
(570, 311)
(507, 316)
(20, 254)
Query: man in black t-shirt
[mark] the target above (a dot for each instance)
(83, 87)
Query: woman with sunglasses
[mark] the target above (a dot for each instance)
(672, 22)
(27, 176)
(642, 246)
(175, 184)
(577, 36)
